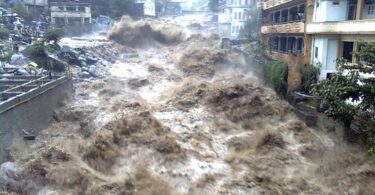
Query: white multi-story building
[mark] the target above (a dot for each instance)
(148, 7)
(336, 28)
(36, 3)
(67, 12)
(232, 17)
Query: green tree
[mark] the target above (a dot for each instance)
(4, 33)
(54, 35)
(310, 75)
(21, 10)
(161, 6)
(251, 30)
(37, 53)
(213, 4)
(6, 56)
(275, 74)
(350, 93)
(112, 8)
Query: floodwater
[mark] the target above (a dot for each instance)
(182, 117)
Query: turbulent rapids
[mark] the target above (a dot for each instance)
(181, 117)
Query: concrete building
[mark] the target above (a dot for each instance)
(148, 7)
(37, 3)
(65, 12)
(283, 29)
(336, 28)
(233, 16)
(315, 32)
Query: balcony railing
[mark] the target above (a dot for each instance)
(295, 27)
(342, 27)
(273, 3)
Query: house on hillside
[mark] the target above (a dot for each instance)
(65, 12)
(233, 16)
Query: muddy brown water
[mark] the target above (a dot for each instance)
(183, 118)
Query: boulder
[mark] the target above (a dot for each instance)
(19, 59)
(69, 55)
(91, 60)
(55, 64)
(84, 75)
(93, 71)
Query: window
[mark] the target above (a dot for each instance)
(370, 10)
(247, 2)
(235, 15)
(284, 16)
(348, 51)
(233, 29)
(336, 3)
(352, 11)
(283, 44)
(300, 45)
(239, 15)
(316, 52)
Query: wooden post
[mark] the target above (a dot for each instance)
(360, 4)
(355, 49)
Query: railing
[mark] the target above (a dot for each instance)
(342, 27)
(295, 27)
(273, 3)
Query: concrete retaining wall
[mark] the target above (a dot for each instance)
(32, 112)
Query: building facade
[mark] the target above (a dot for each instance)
(66, 12)
(36, 3)
(315, 32)
(283, 30)
(336, 28)
(148, 7)
(233, 16)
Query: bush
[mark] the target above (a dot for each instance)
(350, 95)
(22, 11)
(37, 53)
(310, 74)
(276, 74)
(54, 35)
(7, 56)
(4, 33)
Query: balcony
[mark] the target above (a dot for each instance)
(342, 27)
(295, 27)
(273, 3)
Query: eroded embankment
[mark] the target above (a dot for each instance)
(183, 119)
